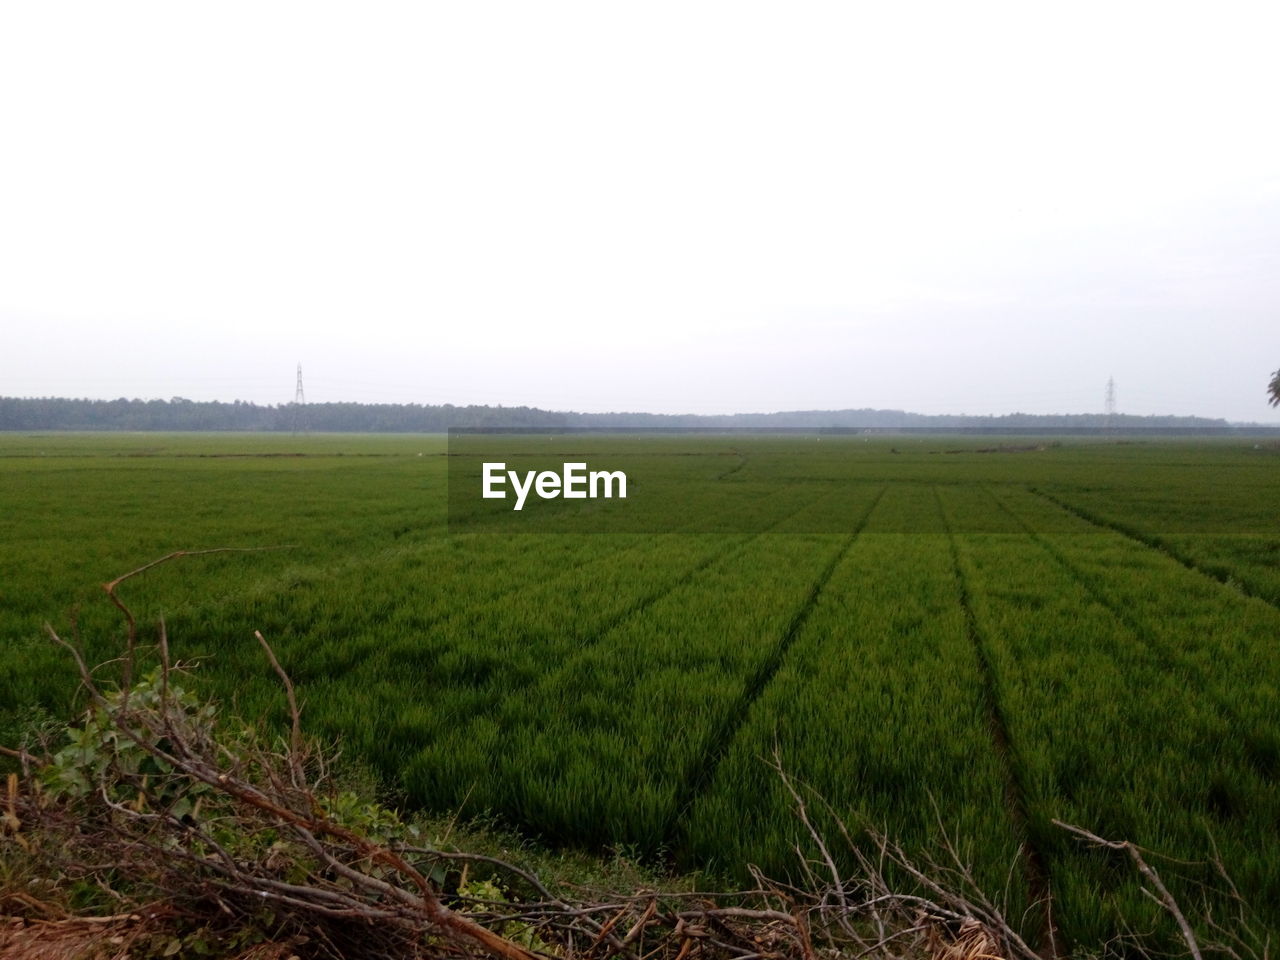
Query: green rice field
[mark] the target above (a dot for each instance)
(937, 634)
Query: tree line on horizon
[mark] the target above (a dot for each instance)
(180, 414)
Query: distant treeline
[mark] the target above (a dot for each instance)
(56, 413)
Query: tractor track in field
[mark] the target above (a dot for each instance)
(358, 653)
(702, 770)
(643, 603)
(1160, 546)
(649, 599)
(1035, 867)
(1163, 653)
(742, 462)
(638, 606)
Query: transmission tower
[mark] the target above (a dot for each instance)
(1111, 398)
(299, 402)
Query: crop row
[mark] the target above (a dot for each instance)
(879, 709)
(600, 746)
(1140, 700)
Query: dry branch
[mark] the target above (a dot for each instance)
(1165, 898)
(131, 623)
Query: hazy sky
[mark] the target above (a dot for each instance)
(951, 207)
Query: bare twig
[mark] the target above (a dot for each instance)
(295, 715)
(1165, 898)
(132, 624)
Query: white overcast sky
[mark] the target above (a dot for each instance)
(950, 207)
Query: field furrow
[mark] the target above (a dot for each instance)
(878, 710)
(1257, 583)
(1207, 636)
(702, 770)
(1039, 892)
(1104, 736)
(634, 711)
